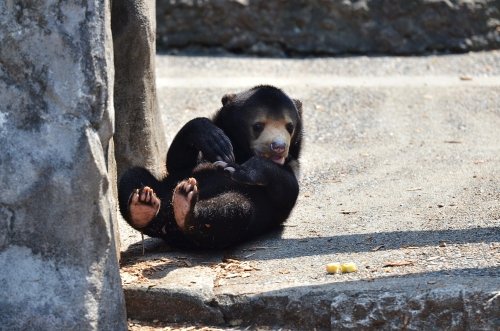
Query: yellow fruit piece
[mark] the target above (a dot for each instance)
(333, 268)
(348, 267)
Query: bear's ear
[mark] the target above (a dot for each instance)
(298, 105)
(228, 98)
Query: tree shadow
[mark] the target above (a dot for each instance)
(271, 247)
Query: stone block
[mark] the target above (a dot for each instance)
(450, 308)
(57, 250)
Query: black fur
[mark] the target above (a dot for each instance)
(231, 207)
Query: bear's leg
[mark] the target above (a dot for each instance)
(215, 222)
(183, 200)
(143, 207)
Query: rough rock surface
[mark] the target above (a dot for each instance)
(139, 137)
(57, 253)
(426, 309)
(301, 27)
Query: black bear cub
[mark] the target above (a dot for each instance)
(229, 178)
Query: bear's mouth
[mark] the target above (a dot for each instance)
(276, 158)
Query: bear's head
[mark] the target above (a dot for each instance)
(262, 121)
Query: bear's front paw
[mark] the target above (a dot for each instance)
(242, 174)
(225, 166)
(214, 145)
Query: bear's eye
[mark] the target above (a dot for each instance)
(289, 128)
(258, 127)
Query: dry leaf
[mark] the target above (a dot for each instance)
(346, 212)
(397, 263)
(258, 248)
(187, 263)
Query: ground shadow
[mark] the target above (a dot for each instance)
(271, 246)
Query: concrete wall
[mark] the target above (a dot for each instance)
(319, 27)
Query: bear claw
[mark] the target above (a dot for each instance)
(224, 166)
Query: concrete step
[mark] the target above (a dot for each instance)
(400, 174)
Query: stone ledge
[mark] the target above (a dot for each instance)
(412, 303)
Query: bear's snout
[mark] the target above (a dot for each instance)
(278, 146)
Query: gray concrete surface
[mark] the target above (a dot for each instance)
(401, 165)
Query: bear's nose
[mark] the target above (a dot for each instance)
(278, 146)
